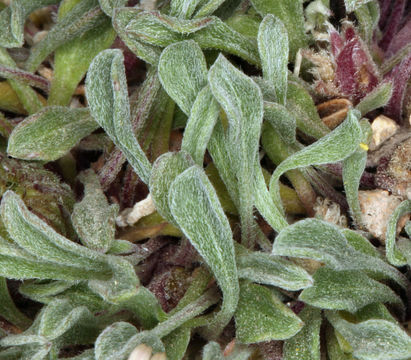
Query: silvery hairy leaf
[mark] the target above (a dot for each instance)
(83, 17)
(245, 115)
(394, 256)
(93, 218)
(196, 209)
(50, 133)
(182, 71)
(261, 316)
(352, 5)
(301, 105)
(109, 5)
(107, 95)
(345, 290)
(283, 120)
(324, 242)
(306, 344)
(165, 169)
(273, 49)
(291, 14)
(336, 146)
(12, 20)
(368, 16)
(27, 96)
(377, 98)
(373, 339)
(72, 59)
(271, 270)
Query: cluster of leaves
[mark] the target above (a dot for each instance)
(201, 137)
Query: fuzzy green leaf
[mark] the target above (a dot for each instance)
(72, 59)
(208, 7)
(176, 343)
(219, 36)
(346, 290)
(377, 98)
(360, 243)
(212, 351)
(12, 20)
(301, 104)
(264, 202)
(195, 207)
(261, 316)
(283, 120)
(324, 242)
(336, 146)
(242, 101)
(351, 5)
(352, 170)
(165, 169)
(93, 218)
(183, 9)
(50, 134)
(273, 49)
(121, 18)
(271, 270)
(306, 344)
(368, 16)
(109, 5)
(373, 339)
(394, 256)
(290, 12)
(42, 241)
(182, 70)
(27, 96)
(112, 339)
(8, 309)
(84, 16)
(200, 125)
(59, 317)
(107, 95)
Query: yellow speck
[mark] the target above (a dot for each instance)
(364, 146)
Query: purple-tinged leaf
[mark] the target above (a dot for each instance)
(399, 77)
(392, 24)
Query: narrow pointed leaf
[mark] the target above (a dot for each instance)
(351, 5)
(195, 207)
(346, 290)
(377, 98)
(108, 99)
(12, 20)
(72, 59)
(208, 7)
(273, 49)
(165, 169)
(373, 339)
(121, 18)
(352, 170)
(301, 105)
(109, 5)
(336, 146)
(183, 73)
(261, 316)
(283, 120)
(290, 12)
(93, 218)
(394, 256)
(306, 344)
(83, 17)
(242, 101)
(271, 270)
(183, 9)
(324, 242)
(50, 134)
(39, 239)
(200, 125)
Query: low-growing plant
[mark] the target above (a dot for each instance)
(163, 168)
